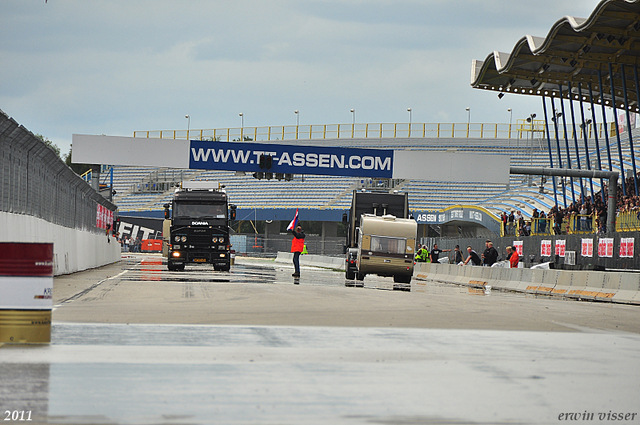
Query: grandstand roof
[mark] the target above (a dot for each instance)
(573, 51)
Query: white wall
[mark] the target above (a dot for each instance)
(73, 250)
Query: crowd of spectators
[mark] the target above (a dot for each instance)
(583, 213)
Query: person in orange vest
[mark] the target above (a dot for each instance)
(297, 246)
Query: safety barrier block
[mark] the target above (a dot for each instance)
(420, 271)
(542, 282)
(629, 287)
(503, 278)
(525, 285)
(513, 279)
(441, 270)
(563, 284)
(451, 274)
(494, 276)
(577, 288)
(475, 277)
(460, 277)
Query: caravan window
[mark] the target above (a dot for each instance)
(388, 245)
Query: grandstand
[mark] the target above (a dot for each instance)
(143, 189)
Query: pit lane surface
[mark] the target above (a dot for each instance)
(135, 344)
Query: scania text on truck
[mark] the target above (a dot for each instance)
(196, 231)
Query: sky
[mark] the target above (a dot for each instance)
(114, 66)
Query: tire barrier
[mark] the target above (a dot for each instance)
(26, 292)
(618, 287)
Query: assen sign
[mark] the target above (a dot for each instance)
(413, 164)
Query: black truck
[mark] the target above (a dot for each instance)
(198, 227)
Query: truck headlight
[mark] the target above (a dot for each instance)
(223, 255)
(184, 239)
(175, 254)
(215, 240)
(177, 238)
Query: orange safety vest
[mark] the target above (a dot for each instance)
(297, 245)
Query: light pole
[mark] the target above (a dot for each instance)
(241, 115)
(468, 109)
(409, 111)
(297, 117)
(188, 124)
(353, 122)
(510, 120)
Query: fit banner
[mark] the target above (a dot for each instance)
(545, 248)
(561, 245)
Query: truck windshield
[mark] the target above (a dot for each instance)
(199, 210)
(388, 245)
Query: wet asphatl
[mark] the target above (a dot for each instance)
(133, 343)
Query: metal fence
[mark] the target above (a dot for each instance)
(519, 131)
(35, 181)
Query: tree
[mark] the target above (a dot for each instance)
(49, 143)
(79, 169)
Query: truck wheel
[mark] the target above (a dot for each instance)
(360, 276)
(403, 278)
(171, 267)
(349, 274)
(181, 267)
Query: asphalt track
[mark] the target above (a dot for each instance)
(135, 344)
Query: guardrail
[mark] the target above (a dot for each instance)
(574, 224)
(522, 130)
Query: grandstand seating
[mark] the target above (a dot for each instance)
(325, 192)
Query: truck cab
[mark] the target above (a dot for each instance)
(198, 227)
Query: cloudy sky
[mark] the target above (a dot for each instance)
(112, 67)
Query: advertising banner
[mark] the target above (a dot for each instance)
(104, 216)
(587, 248)
(561, 246)
(291, 159)
(545, 248)
(518, 245)
(626, 247)
(605, 247)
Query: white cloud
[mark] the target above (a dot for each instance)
(119, 66)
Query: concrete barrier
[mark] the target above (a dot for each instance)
(73, 250)
(616, 287)
(312, 260)
(628, 289)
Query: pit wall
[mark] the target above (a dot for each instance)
(617, 287)
(73, 250)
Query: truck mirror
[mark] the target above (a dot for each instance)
(167, 214)
(344, 249)
(345, 219)
(232, 213)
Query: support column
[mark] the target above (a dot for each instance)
(95, 177)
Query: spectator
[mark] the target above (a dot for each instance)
(504, 220)
(473, 257)
(435, 253)
(457, 255)
(512, 224)
(513, 257)
(490, 254)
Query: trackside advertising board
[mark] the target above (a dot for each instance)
(291, 159)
